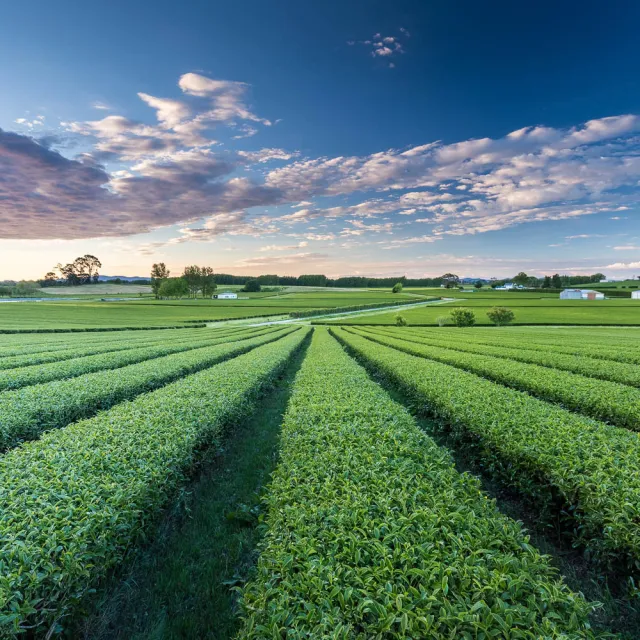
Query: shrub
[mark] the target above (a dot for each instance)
(401, 321)
(252, 286)
(443, 321)
(501, 316)
(397, 288)
(463, 317)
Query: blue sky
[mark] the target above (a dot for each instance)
(284, 137)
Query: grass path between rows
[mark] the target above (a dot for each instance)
(181, 586)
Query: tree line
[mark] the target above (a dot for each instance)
(83, 270)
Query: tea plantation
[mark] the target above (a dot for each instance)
(289, 481)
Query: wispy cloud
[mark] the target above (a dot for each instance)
(294, 259)
(37, 121)
(139, 176)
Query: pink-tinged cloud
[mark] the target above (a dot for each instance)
(45, 195)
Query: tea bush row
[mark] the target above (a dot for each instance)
(600, 399)
(74, 502)
(567, 345)
(42, 354)
(372, 533)
(622, 372)
(26, 413)
(578, 471)
(37, 374)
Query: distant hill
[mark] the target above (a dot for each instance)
(124, 278)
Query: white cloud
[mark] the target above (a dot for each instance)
(279, 247)
(623, 265)
(169, 112)
(37, 121)
(264, 155)
(384, 46)
(627, 247)
(100, 106)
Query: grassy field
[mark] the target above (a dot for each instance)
(528, 309)
(148, 312)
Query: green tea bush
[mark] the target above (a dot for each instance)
(26, 413)
(548, 453)
(622, 372)
(600, 399)
(372, 533)
(54, 350)
(74, 502)
(37, 374)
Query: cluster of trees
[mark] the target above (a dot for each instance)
(556, 281)
(22, 289)
(83, 270)
(193, 281)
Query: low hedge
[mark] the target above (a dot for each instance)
(75, 502)
(577, 362)
(603, 400)
(578, 471)
(46, 353)
(93, 329)
(372, 533)
(29, 411)
(71, 368)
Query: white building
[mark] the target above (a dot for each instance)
(635, 295)
(227, 295)
(581, 294)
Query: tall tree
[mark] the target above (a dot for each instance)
(173, 288)
(450, 280)
(556, 281)
(159, 272)
(193, 277)
(208, 281)
(546, 283)
(522, 279)
(50, 279)
(87, 268)
(68, 273)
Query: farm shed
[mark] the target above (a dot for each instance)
(581, 294)
(227, 295)
(635, 295)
